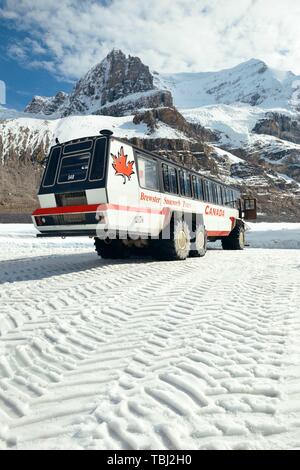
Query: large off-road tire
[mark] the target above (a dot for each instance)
(235, 240)
(177, 247)
(110, 249)
(200, 243)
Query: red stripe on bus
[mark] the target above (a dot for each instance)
(96, 208)
(66, 210)
(217, 234)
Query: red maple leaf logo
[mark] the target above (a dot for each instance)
(121, 166)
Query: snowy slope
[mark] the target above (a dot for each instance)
(234, 124)
(231, 102)
(251, 82)
(19, 133)
(108, 355)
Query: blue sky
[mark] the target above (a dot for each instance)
(45, 46)
(24, 82)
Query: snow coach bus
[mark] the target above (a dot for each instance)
(131, 200)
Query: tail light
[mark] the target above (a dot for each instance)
(40, 221)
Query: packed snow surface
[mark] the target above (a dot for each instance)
(198, 354)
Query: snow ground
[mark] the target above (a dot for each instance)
(140, 354)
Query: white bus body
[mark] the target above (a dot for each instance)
(107, 188)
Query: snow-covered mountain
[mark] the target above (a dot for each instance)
(242, 124)
(251, 82)
(116, 86)
(119, 80)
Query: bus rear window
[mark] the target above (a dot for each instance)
(49, 178)
(73, 168)
(98, 163)
(78, 147)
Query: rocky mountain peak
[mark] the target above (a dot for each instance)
(46, 105)
(117, 78)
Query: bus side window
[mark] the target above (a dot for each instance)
(148, 173)
(185, 183)
(205, 190)
(210, 191)
(165, 175)
(214, 192)
(219, 192)
(223, 190)
(201, 189)
(173, 180)
(212, 196)
(197, 187)
(234, 198)
(170, 179)
(227, 195)
(181, 181)
(231, 198)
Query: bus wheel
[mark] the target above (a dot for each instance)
(200, 243)
(110, 249)
(177, 247)
(235, 240)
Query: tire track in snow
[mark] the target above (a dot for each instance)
(150, 355)
(52, 337)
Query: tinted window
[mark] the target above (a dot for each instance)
(73, 168)
(223, 191)
(170, 179)
(227, 197)
(230, 198)
(148, 173)
(214, 192)
(219, 193)
(78, 147)
(185, 183)
(236, 198)
(205, 190)
(197, 188)
(51, 167)
(210, 191)
(166, 178)
(99, 158)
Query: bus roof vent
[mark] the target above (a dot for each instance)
(106, 132)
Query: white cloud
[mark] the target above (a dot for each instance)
(168, 35)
